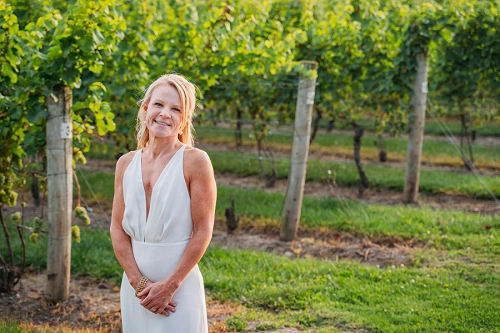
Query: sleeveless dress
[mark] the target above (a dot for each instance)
(158, 243)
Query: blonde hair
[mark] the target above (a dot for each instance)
(187, 93)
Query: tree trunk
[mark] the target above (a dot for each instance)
(272, 176)
(9, 273)
(364, 183)
(464, 134)
(416, 137)
(331, 125)
(382, 147)
(231, 218)
(298, 160)
(60, 188)
(35, 190)
(315, 125)
(238, 137)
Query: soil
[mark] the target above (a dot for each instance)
(339, 246)
(91, 307)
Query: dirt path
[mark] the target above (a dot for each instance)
(91, 307)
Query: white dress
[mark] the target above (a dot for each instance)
(158, 244)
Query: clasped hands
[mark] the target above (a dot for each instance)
(157, 298)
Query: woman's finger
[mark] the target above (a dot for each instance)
(145, 292)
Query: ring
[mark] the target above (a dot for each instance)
(153, 309)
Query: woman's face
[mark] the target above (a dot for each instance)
(164, 112)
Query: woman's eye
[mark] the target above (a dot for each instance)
(159, 104)
(178, 110)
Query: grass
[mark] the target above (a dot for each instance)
(452, 287)
(8, 326)
(344, 174)
(433, 127)
(326, 211)
(381, 177)
(488, 129)
(319, 294)
(325, 296)
(363, 219)
(333, 140)
(434, 152)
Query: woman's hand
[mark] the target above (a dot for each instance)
(157, 297)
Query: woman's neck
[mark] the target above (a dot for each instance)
(162, 146)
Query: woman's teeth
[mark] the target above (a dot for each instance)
(161, 124)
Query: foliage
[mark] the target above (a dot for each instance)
(45, 44)
(243, 54)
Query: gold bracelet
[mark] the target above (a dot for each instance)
(141, 285)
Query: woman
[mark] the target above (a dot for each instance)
(163, 214)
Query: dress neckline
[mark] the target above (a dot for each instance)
(148, 212)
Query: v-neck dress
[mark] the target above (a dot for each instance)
(158, 242)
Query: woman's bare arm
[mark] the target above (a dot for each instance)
(121, 241)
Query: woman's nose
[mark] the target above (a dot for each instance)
(165, 114)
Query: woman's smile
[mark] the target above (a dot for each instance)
(162, 123)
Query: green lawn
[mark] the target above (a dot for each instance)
(433, 127)
(345, 174)
(363, 219)
(369, 142)
(452, 286)
(382, 177)
(275, 292)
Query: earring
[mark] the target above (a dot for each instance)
(181, 132)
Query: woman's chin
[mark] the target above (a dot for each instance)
(163, 134)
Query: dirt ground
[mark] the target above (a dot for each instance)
(91, 307)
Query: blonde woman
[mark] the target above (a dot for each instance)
(163, 214)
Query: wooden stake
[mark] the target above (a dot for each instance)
(299, 154)
(416, 137)
(60, 188)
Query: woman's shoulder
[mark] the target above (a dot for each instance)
(124, 161)
(193, 153)
(196, 158)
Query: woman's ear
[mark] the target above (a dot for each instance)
(145, 107)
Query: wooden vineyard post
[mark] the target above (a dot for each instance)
(60, 188)
(300, 151)
(416, 137)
